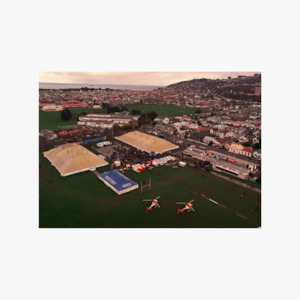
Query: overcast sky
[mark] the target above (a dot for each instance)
(131, 78)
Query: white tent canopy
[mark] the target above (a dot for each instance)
(70, 159)
(146, 142)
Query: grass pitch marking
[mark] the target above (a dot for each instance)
(223, 206)
(213, 201)
(241, 216)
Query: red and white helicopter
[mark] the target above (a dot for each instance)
(188, 207)
(154, 203)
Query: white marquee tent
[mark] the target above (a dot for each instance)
(70, 159)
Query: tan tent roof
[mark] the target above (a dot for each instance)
(146, 142)
(70, 159)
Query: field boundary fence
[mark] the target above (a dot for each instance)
(236, 182)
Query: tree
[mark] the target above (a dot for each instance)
(66, 114)
(152, 115)
(198, 111)
(105, 105)
(124, 108)
(210, 143)
(144, 119)
(116, 109)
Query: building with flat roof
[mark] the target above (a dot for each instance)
(52, 107)
(99, 120)
(220, 164)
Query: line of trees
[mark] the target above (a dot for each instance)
(113, 109)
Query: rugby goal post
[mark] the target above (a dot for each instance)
(146, 186)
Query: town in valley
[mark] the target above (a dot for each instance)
(104, 152)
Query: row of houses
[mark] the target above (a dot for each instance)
(233, 147)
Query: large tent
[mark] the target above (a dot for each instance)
(146, 142)
(70, 159)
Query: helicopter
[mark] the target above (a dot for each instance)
(154, 203)
(188, 207)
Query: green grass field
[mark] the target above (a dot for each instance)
(52, 119)
(83, 201)
(163, 110)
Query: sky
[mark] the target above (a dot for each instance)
(132, 78)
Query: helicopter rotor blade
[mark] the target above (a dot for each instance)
(191, 201)
(157, 198)
(192, 209)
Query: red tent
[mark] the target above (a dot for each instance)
(61, 133)
(74, 131)
(142, 168)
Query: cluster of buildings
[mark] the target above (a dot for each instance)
(225, 129)
(235, 129)
(200, 93)
(230, 140)
(91, 98)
